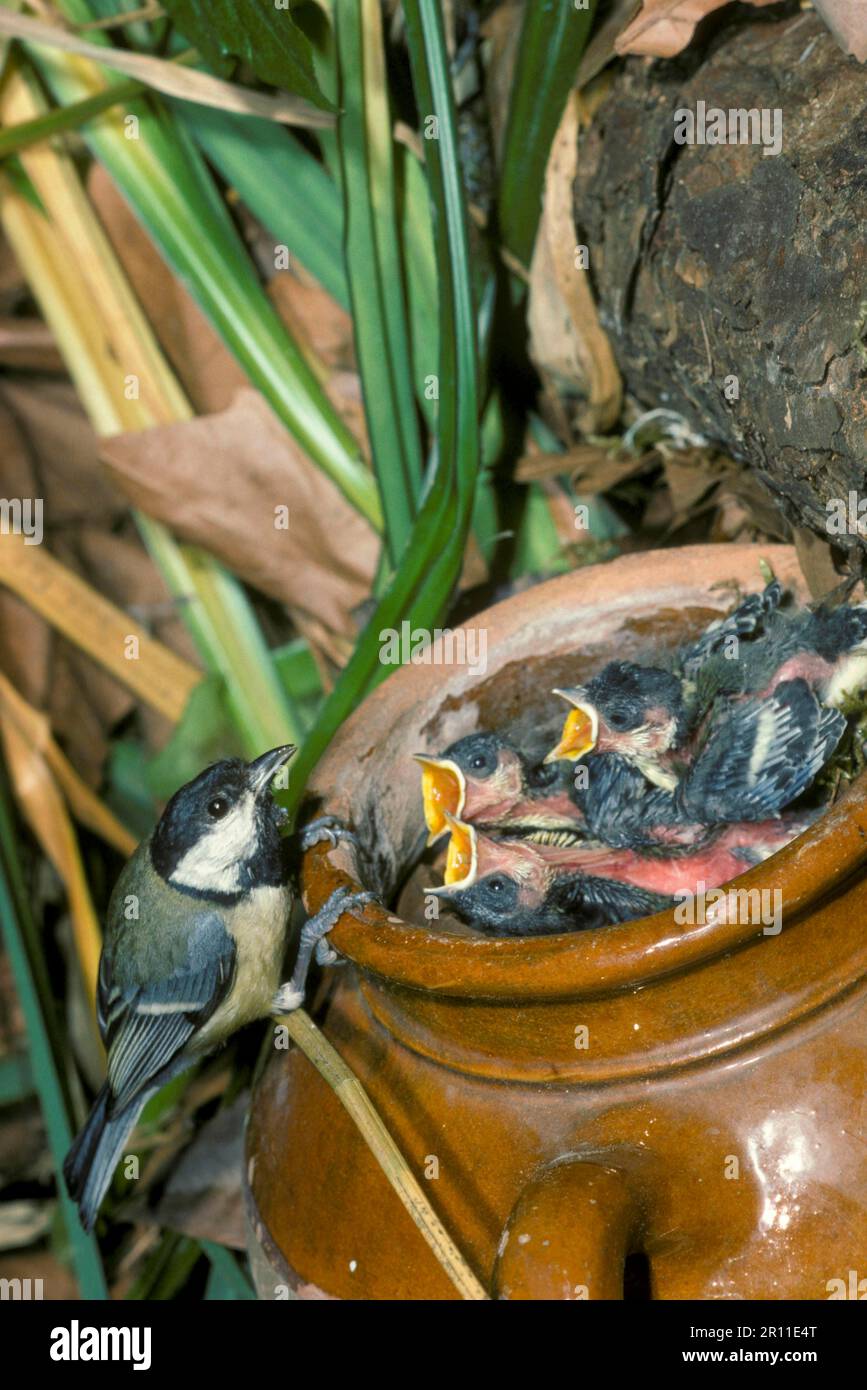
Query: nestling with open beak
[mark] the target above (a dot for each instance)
(194, 943)
(515, 888)
(662, 721)
(751, 759)
(648, 713)
(485, 780)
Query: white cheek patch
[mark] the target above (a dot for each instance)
(214, 863)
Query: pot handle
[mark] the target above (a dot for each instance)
(568, 1235)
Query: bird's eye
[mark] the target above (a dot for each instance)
(218, 807)
(496, 885)
(618, 719)
(478, 762)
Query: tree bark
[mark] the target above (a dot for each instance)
(718, 261)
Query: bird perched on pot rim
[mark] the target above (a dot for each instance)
(194, 942)
(485, 780)
(516, 888)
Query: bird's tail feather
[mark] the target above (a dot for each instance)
(91, 1161)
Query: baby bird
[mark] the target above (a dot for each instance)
(515, 888)
(660, 720)
(482, 778)
(648, 713)
(194, 943)
(751, 759)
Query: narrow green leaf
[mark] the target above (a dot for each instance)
(166, 1269)
(375, 266)
(46, 1060)
(282, 184)
(164, 178)
(227, 1280)
(78, 113)
(421, 278)
(553, 37)
(262, 33)
(423, 582)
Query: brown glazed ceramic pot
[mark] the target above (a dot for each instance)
(712, 1127)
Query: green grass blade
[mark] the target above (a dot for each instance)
(424, 581)
(218, 613)
(282, 184)
(227, 1280)
(421, 279)
(553, 37)
(166, 1269)
(72, 117)
(163, 177)
(374, 265)
(47, 1067)
(265, 36)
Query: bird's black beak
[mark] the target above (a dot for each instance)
(262, 771)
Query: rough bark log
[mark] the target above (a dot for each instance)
(718, 260)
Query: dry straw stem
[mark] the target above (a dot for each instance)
(170, 77)
(106, 342)
(355, 1100)
(164, 681)
(45, 811)
(69, 263)
(35, 729)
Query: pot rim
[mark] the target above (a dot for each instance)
(594, 962)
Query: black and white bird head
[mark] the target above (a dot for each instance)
(637, 711)
(219, 836)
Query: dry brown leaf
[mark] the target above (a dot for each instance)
(595, 468)
(689, 476)
(217, 481)
(567, 342)
(816, 559)
(665, 27)
(28, 343)
(314, 319)
(35, 728)
(847, 20)
(63, 449)
(12, 284)
(203, 1196)
(208, 372)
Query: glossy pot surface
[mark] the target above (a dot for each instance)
(680, 1106)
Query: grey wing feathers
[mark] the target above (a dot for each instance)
(762, 756)
(146, 1026)
(745, 620)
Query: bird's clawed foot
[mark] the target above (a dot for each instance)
(328, 828)
(314, 935)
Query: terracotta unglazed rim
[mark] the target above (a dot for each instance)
(585, 963)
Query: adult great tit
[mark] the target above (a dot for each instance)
(193, 950)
